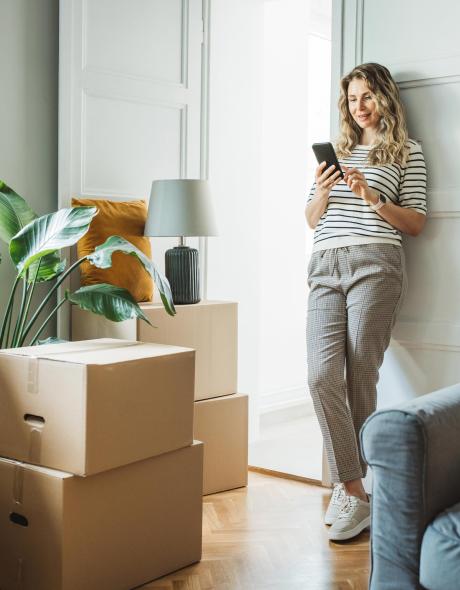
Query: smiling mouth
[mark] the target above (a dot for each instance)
(362, 117)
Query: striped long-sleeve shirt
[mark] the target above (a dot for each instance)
(349, 220)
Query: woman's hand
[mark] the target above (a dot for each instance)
(358, 184)
(326, 179)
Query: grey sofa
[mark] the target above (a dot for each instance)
(414, 452)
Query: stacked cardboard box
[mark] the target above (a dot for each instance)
(100, 478)
(221, 414)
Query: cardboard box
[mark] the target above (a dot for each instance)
(209, 327)
(114, 530)
(222, 424)
(85, 407)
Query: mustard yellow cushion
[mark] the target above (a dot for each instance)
(127, 220)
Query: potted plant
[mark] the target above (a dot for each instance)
(34, 246)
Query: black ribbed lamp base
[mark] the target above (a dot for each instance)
(182, 272)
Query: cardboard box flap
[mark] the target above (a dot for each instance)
(104, 351)
(44, 470)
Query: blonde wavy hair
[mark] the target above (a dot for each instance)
(390, 147)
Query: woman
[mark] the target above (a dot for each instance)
(357, 274)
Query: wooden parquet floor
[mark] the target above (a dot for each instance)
(270, 536)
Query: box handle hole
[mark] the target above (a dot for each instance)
(34, 420)
(19, 519)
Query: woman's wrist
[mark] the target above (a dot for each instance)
(371, 196)
(320, 196)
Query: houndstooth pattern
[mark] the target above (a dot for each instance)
(355, 296)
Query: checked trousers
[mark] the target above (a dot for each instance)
(355, 295)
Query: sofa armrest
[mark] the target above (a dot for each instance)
(414, 452)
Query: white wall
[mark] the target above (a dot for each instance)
(295, 114)
(29, 103)
(234, 171)
(282, 288)
(260, 169)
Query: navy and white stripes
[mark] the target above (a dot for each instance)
(348, 220)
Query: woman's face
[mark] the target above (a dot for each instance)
(362, 104)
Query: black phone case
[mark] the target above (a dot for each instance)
(325, 152)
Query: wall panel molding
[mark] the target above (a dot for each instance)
(86, 189)
(337, 60)
(99, 71)
(359, 44)
(443, 202)
(424, 72)
(434, 81)
(184, 50)
(427, 335)
(443, 214)
(185, 32)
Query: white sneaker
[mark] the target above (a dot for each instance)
(338, 496)
(354, 517)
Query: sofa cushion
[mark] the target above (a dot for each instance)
(412, 451)
(440, 556)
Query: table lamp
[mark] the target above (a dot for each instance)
(181, 208)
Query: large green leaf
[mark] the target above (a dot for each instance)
(15, 213)
(48, 234)
(51, 266)
(112, 302)
(102, 258)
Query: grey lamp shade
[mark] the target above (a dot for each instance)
(180, 208)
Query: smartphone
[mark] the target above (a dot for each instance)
(325, 152)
